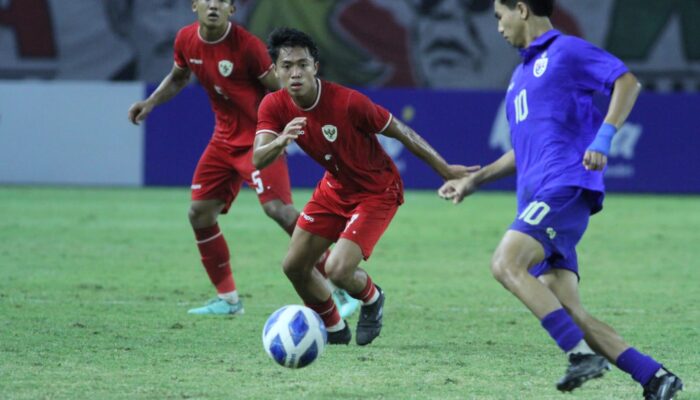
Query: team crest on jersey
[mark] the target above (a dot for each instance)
(225, 67)
(541, 65)
(330, 132)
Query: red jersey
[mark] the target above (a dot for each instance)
(340, 135)
(229, 69)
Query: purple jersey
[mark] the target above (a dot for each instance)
(550, 110)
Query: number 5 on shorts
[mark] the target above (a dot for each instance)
(534, 213)
(255, 176)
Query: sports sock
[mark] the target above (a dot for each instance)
(562, 329)
(230, 297)
(337, 327)
(369, 294)
(639, 365)
(215, 258)
(329, 314)
(581, 348)
(661, 372)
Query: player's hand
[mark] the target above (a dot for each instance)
(594, 161)
(457, 189)
(139, 111)
(460, 171)
(293, 130)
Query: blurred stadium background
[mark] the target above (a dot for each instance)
(70, 69)
(95, 283)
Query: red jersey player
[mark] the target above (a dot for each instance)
(360, 191)
(234, 68)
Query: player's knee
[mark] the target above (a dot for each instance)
(202, 216)
(338, 271)
(292, 270)
(295, 268)
(504, 270)
(272, 210)
(283, 214)
(498, 267)
(192, 213)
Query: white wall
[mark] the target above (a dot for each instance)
(69, 133)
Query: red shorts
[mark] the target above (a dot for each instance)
(359, 217)
(220, 174)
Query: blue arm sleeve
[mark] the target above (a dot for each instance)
(603, 139)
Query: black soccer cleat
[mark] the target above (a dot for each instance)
(343, 336)
(663, 387)
(582, 368)
(370, 323)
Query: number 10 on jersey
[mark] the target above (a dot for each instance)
(521, 109)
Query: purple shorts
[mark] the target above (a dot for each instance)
(557, 218)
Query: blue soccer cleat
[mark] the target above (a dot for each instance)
(217, 306)
(346, 304)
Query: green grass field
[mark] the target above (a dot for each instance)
(95, 285)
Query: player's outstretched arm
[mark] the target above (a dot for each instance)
(418, 146)
(268, 147)
(624, 96)
(171, 85)
(457, 189)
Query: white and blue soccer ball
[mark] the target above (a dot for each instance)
(294, 336)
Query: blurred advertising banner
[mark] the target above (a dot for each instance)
(69, 133)
(56, 39)
(77, 133)
(363, 43)
(656, 151)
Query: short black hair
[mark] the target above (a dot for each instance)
(541, 8)
(290, 37)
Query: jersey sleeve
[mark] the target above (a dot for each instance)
(269, 120)
(370, 118)
(594, 68)
(260, 61)
(178, 55)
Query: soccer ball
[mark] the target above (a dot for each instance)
(294, 336)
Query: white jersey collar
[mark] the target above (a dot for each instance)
(318, 96)
(221, 39)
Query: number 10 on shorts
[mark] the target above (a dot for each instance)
(534, 213)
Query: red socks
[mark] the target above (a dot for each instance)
(369, 294)
(327, 311)
(215, 257)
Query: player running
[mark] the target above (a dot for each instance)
(360, 192)
(233, 66)
(559, 159)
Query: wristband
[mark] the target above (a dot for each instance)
(603, 139)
